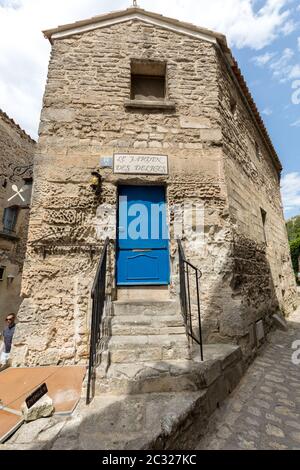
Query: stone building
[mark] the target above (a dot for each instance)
(16, 160)
(155, 110)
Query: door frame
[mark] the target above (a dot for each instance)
(138, 184)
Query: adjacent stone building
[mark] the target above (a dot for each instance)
(16, 161)
(156, 110)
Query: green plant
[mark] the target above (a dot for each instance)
(293, 228)
(295, 253)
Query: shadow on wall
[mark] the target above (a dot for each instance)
(244, 294)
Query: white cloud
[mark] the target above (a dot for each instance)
(282, 67)
(283, 61)
(261, 60)
(238, 19)
(290, 188)
(296, 123)
(10, 3)
(294, 72)
(287, 72)
(267, 112)
(288, 27)
(24, 52)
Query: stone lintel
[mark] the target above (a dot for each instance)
(9, 236)
(149, 104)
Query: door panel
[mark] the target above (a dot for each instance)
(143, 239)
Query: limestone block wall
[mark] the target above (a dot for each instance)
(16, 153)
(62, 254)
(262, 280)
(84, 118)
(211, 163)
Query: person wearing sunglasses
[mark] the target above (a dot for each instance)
(8, 334)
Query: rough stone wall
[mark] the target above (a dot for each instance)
(16, 153)
(84, 118)
(262, 280)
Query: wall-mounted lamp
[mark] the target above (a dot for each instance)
(10, 278)
(95, 182)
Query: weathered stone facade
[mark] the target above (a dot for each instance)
(262, 280)
(16, 160)
(212, 161)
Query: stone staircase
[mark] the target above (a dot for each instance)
(148, 352)
(148, 340)
(147, 331)
(151, 390)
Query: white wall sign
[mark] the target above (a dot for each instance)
(140, 164)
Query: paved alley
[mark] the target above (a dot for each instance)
(264, 410)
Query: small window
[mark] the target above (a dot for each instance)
(233, 105)
(148, 80)
(28, 181)
(2, 271)
(264, 221)
(10, 216)
(257, 151)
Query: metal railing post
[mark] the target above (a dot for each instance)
(98, 301)
(185, 296)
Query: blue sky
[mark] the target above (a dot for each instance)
(273, 76)
(264, 36)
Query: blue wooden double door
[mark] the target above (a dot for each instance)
(143, 236)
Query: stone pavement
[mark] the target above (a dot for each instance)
(262, 413)
(264, 410)
(168, 420)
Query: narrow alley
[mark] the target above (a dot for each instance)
(264, 410)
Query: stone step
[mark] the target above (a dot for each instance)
(149, 354)
(130, 422)
(144, 341)
(146, 325)
(174, 375)
(130, 349)
(149, 377)
(147, 320)
(124, 418)
(150, 308)
(137, 330)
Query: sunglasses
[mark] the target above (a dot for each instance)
(9, 319)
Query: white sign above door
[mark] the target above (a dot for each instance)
(136, 164)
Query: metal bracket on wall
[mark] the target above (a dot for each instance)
(63, 248)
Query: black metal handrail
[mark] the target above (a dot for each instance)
(186, 270)
(98, 301)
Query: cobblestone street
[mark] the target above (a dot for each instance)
(264, 411)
